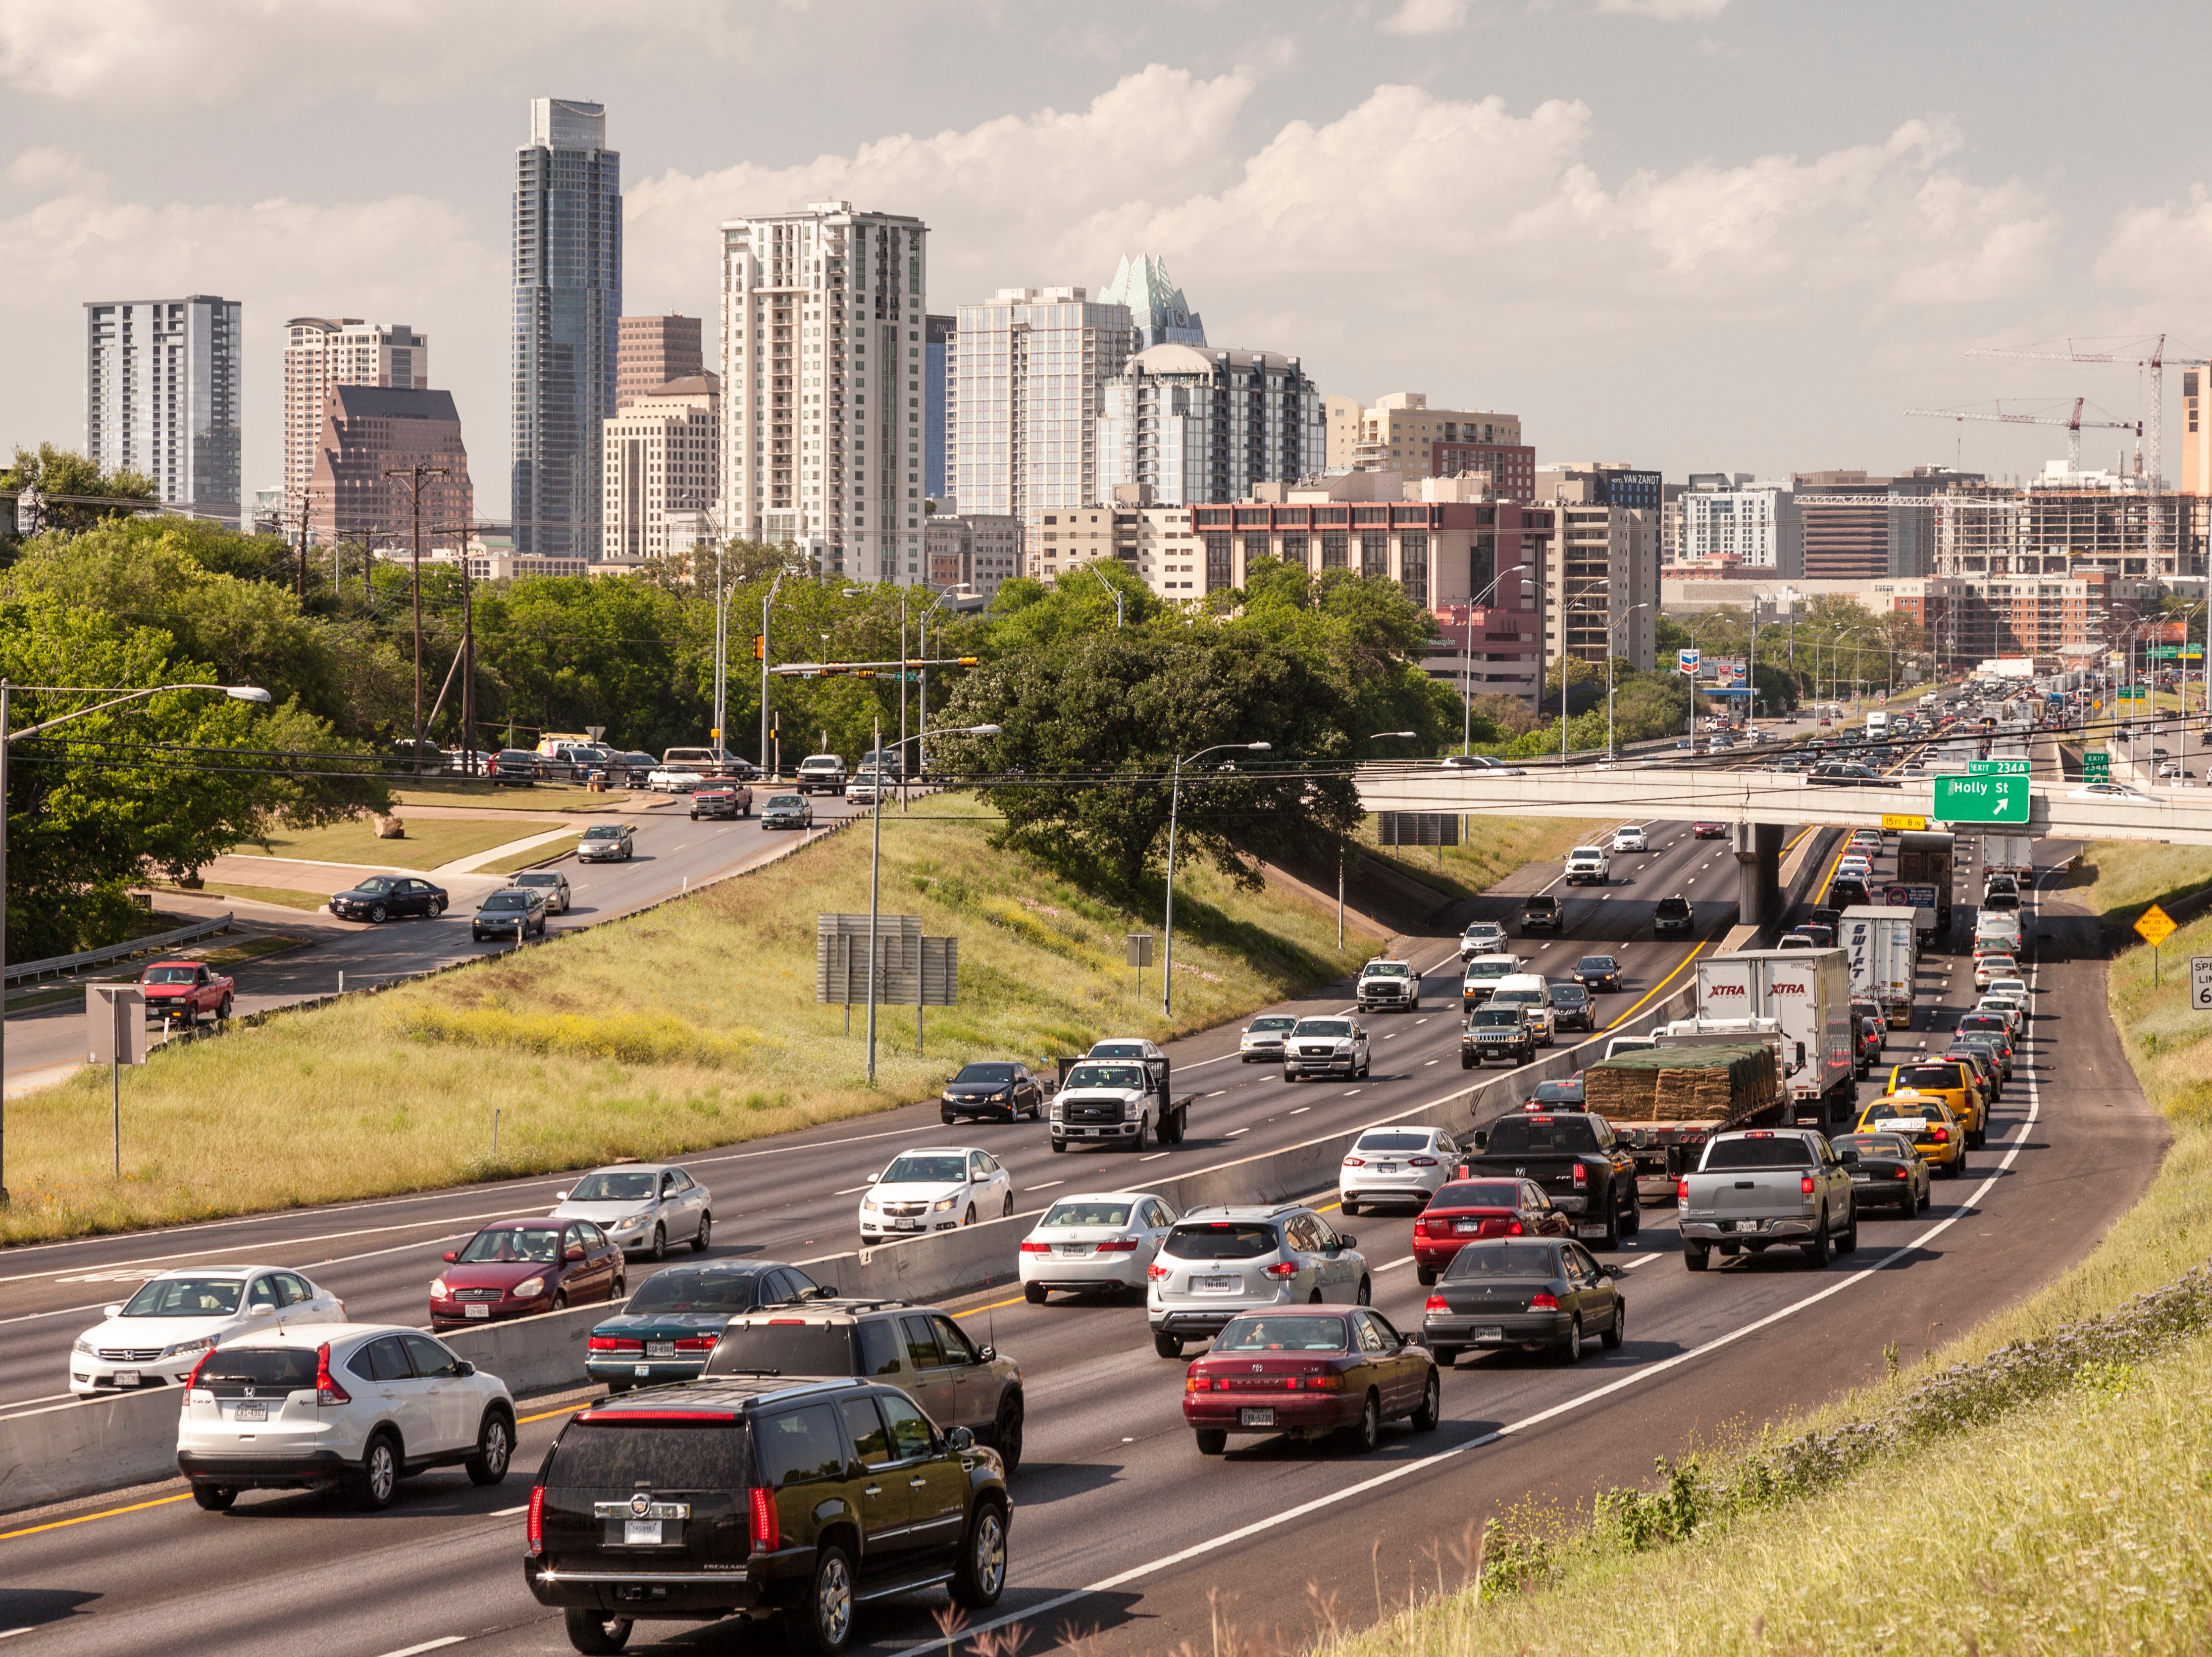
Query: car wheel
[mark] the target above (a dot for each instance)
(379, 1473)
(1366, 1291)
(660, 1249)
(945, 1117)
(1697, 1256)
(1619, 1330)
(1033, 1293)
(1466, 1061)
(1006, 1432)
(1432, 1406)
(1850, 1241)
(560, 1300)
(1290, 1075)
(595, 1635)
(982, 1575)
(1350, 1205)
(1211, 1440)
(434, 909)
(494, 1449)
(969, 1218)
(1635, 1223)
(824, 1625)
(1168, 1346)
(222, 1013)
(1571, 1345)
(379, 913)
(214, 1498)
(1143, 1142)
(619, 1289)
(1822, 1249)
(1427, 1274)
(1007, 1209)
(1445, 1356)
(1364, 1435)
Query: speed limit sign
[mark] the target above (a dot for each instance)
(2200, 982)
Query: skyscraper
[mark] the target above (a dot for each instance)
(320, 352)
(823, 311)
(940, 353)
(1030, 376)
(366, 433)
(1157, 311)
(654, 350)
(567, 307)
(1207, 424)
(162, 395)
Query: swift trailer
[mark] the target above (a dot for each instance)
(1925, 859)
(1808, 995)
(1882, 946)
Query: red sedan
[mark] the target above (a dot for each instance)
(1308, 1373)
(514, 1268)
(1465, 1211)
(1709, 831)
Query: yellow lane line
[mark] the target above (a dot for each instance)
(1657, 988)
(87, 1517)
(1017, 1301)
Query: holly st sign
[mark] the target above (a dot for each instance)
(1981, 800)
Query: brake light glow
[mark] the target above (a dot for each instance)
(1543, 1301)
(1157, 1273)
(1194, 1382)
(1902, 1175)
(614, 1344)
(695, 1344)
(1682, 1192)
(327, 1390)
(1281, 1269)
(1581, 1176)
(1514, 1230)
(768, 1527)
(535, 1527)
(1330, 1383)
(1438, 1303)
(1118, 1246)
(1940, 1135)
(1805, 1184)
(1420, 1227)
(1036, 1248)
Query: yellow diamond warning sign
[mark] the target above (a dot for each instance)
(2155, 925)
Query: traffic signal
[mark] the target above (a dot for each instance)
(760, 647)
(967, 661)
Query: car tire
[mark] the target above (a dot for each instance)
(433, 910)
(704, 1235)
(214, 1498)
(1290, 1075)
(981, 1575)
(1635, 1226)
(660, 1249)
(1007, 1209)
(379, 1473)
(822, 1625)
(1822, 1250)
(1033, 1293)
(1445, 1356)
(379, 913)
(1211, 1440)
(1142, 1143)
(1427, 1275)
(1570, 1346)
(1006, 1432)
(594, 1635)
(1612, 1239)
(1466, 1061)
(560, 1300)
(494, 1449)
(1363, 1435)
(969, 1218)
(1617, 1330)
(945, 1117)
(1168, 1346)
(619, 1289)
(1849, 1243)
(222, 1012)
(1697, 1256)
(1366, 1297)
(1431, 1411)
(1350, 1205)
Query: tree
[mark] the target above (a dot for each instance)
(69, 492)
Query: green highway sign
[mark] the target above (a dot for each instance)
(1981, 800)
(2096, 768)
(1996, 767)
(2135, 693)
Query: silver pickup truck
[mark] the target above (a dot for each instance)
(1768, 1188)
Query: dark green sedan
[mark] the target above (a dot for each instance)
(668, 1328)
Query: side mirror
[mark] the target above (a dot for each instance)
(1850, 1159)
(1482, 1138)
(986, 1353)
(465, 1369)
(575, 1252)
(960, 1439)
(114, 1311)
(560, 1196)
(1345, 1240)
(261, 1310)
(453, 1254)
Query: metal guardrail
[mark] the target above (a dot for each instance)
(30, 972)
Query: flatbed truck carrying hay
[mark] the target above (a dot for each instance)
(1665, 1101)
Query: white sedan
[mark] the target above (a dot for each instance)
(935, 1189)
(2112, 794)
(643, 1207)
(1395, 1165)
(1103, 1240)
(1630, 839)
(154, 1337)
(672, 780)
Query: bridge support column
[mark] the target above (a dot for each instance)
(1758, 874)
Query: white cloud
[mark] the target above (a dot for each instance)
(2161, 249)
(1426, 17)
(1664, 11)
(47, 167)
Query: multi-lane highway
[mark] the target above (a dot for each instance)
(1120, 1527)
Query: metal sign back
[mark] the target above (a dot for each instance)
(114, 1024)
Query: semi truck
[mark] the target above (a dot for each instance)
(1808, 995)
(2008, 854)
(1882, 946)
(1926, 860)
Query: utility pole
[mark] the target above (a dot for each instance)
(300, 573)
(415, 475)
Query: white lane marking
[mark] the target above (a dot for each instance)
(1236, 1133)
(1432, 1061)
(1395, 1265)
(850, 1189)
(1630, 1266)
(1217, 1092)
(1349, 1092)
(428, 1645)
(1301, 1110)
(1154, 1157)
(1047, 1186)
(507, 1513)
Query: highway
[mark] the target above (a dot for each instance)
(1107, 1535)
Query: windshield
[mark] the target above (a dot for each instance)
(1492, 1018)
(376, 883)
(1498, 1193)
(287, 1368)
(1732, 1154)
(1927, 1076)
(1570, 994)
(783, 1349)
(167, 975)
(1323, 1027)
(186, 1297)
(1281, 1334)
(1392, 1141)
(1516, 998)
(1117, 1050)
(603, 831)
(1273, 1023)
(1124, 1076)
(781, 802)
(1388, 969)
(694, 1291)
(1597, 963)
(1889, 1110)
(1673, 904)
(1502, 1259)
(1085, 1211)
(1568, 1134)
(992, 1073)
(507, 901)
(511, 1243)
(927, 1170)
(613, 1188)
(1492, 969)
(1221, 1239)
(1585, 852)
(547, 879)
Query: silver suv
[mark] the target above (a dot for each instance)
(1217, 1262)
(1325, 1047)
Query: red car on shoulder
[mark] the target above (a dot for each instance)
(184, 990)
(1466, 1211)
(1309, 1371)
(1709, 831)
(514, 1268)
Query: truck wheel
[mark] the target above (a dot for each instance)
(1851, 1241)
(1350, 1205)
(1822, 1249)
(222, 1013)
(1466, 1061)
(1059, 1147)
(1635, 1224)
(1167, 1346)
(1696, 1256)
(1427, 1274)
(1611, 1238)
(1142, 1143)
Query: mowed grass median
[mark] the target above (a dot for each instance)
(690, 1026)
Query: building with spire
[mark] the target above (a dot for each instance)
(1158, 312)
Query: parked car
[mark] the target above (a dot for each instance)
(632, 769)
(513, 1268)
(606, 842)
(992, 1087)
(667, 1328)
(1311, 1374)
(1395, 1165)
(514, 912)
(1466, 1210)
(787, 811)
(935, 1188)
(821, 773)
(1104, 1240)
(386, 897)
(643, 1207)
(1539, 1295)
(1219, 1261)
(1540, 914)
(183, 990)
(721, 799)
(171, 1321)
(550, 881)
(672, 780)
(1325, 1046)
(1262, 1039)
(516, 768)
(337, 1405)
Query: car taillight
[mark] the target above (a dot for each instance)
(1682, 1192)
(1543, 1301)
(1118, 1246)
(1941, 1135)
(1805, 1184)
(612, 1343)
(195, 1380)
(1281, 1269)
(1423, 1162)
(1156, 1271)
(1420, 1227)
(1581, 1176)
(1330, 1383)
(535, 1527)
(327, 1390)
(695, 1344)
(1514, 1230)
(1355, 1161)
(1194, 1382)
(1903, 1174)
(768, 1528)
(1437, 1303)
(1036, 1248)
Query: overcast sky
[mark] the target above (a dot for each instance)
(1693, 234)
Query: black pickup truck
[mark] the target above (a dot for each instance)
(1587, 1174)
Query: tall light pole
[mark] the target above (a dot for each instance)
(922, 752)
(767, 600)
(1467, 666)
(875, 876)
(1119, 618)
(1610, 654)
(1175, 795)
(244, 693)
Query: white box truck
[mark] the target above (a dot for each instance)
(1807, 994)
(1881, 945)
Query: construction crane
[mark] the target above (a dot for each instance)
(2073, 424)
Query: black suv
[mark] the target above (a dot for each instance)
(1539, 914)
(1673, 914)
(1497, 1032)
(1572, 1008)
(703, 1501)
(915, 1348)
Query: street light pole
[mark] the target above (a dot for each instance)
(1119, 618)
(1375, 736)
(769, 600)
(1611, 756)
(244, 693)
(1175, 795)
(1467, 668)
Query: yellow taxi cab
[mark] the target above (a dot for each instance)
(1955, 1083)
(1936, 1132)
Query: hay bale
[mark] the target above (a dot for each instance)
(388, 827)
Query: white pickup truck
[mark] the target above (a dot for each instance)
(1588, 866)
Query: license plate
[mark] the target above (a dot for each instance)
(1862, 1179)
(1489, 1331)
(1228, 1285)
(643, 1371)
(1386, 1167)
(1588, 1229)
(126, 1377)
(1468, 1227)
(906, 1225)
(660, 1349)
(252, 1412)
(641, 1532)
(1263, 1415)
(1073, 1250)
(475, 1309)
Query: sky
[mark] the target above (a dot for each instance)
(1730, 235)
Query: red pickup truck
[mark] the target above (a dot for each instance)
(184, 990)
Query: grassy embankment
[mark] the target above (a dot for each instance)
(2042, 1484)
(429, 842)
(533, 856)
(693, 1025)
(497, 796)
(1495, 848)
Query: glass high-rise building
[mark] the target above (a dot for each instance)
(940, 352)
(1029, 375)
(162, 395)
(567, 311)
(1158, 313)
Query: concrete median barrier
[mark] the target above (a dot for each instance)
(88, 1445)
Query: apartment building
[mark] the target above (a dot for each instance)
(1196, 424)
(2059, 621)
(1741, 524)
(940, 355)
(320, 352)
(363, 487)
(1601, 573)
(1032, 367)
(823, 311)
(662, 463)
(1403, 435)
(651, 351)
(977, 551)
(162, 395)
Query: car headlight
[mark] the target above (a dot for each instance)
(944, 1204)
(184, 1346)
(868, 1205)
(529, 1289)
(631, 1224)
(438, 1289)
(1056, 1110)
(83, 1344)
(1128, 1110)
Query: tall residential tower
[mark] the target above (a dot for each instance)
(320, 352)
(162, 395)
(1030, 379)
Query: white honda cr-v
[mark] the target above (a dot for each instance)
(319, 1406)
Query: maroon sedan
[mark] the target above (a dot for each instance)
(1464, 1211)
(513, 1268)
(1709, 831)
(1308, 1373)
